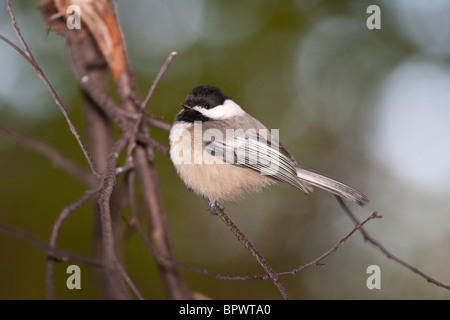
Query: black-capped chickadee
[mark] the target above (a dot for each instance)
(221, 152)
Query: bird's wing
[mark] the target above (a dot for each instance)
(254, 151)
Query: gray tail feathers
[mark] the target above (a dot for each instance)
(331, 185)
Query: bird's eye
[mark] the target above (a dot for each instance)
(207, 106)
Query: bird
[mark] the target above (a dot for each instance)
(222, 153)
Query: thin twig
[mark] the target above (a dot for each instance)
(134, 223)
(105, 194)
(139, 121)
(150, 189)
(128, 279)
(55, 156)
(374, 215)
(157, 79)
(154, 211)
(16, 48)
(159, 124)
(145, 139)
(32, 61)
(108, 243)
(93, 81)
(62, 216)
(54, 253)
(386, 252)
(241, 237)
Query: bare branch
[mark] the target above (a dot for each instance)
(128, 117)
(386, 252)
(134, 223)
(146, 172)
(93, 81)
(145, 139)
(54, 253)
(108, 242)
(104, 200)
(128, 279)
(159, 124)
(157, 79)
(154, 212)
(12, 45)
(240, 236)
(32, 61)
(55, 156)
(374, 215)
(62, 216)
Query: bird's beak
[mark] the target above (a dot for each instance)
(185, 106)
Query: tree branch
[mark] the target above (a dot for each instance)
(32, 61)
(62, 216)
(153, 207)
(159, 124)
(57, 254)
(240, 236)
(157, 79)
(55, 156)
(374, 215)
(386, 252)
(109, 253)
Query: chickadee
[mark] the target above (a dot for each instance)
(221, 152)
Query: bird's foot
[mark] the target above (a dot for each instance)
(211, 206)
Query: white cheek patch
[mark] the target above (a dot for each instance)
(227, 110)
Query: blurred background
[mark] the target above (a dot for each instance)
(368, 107)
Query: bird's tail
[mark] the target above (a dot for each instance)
(331, 185)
